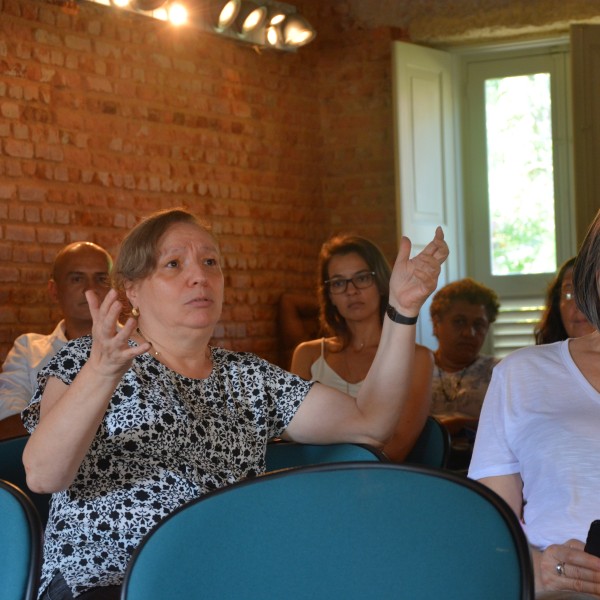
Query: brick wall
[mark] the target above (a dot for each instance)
(106, 116)
(358, 150)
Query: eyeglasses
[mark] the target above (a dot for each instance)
(360, 281)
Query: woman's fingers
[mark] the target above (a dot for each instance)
(568, 567)
(414, 279)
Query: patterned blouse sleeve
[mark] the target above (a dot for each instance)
(64, 365)
(285, 392)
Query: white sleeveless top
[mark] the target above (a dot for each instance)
(320, 371)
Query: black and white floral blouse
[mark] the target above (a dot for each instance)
(165, 439)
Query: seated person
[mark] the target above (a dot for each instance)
(353, 289)
(461, 312)
(78, 267)
(561, 319)
(537, 444)
(132, 422)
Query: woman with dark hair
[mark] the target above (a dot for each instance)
(353, 286)
(538, 440)
(561, 319)
(136, 420)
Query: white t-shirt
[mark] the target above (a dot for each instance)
(541, 419)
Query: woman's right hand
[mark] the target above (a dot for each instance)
(111, 354)
(71, 414)
(567, 567)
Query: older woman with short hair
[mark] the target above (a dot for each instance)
(461, 313)
(136, 420)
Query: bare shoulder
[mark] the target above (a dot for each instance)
(304, 356)
(423, 353)
(308, 348)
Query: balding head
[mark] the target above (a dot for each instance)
(76, 249)
(79, 267)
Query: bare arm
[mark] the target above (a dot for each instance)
(70, 415)
(581, 570)
(509, 488)
(326, 416)
(416, 410)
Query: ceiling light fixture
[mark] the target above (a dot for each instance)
(297, 31)
(178, 14)
(228, 14)
(147, 5)
(258, 23)
(251, 17)
(276, 16)
(265, 23)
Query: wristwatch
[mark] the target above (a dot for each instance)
(395, 316)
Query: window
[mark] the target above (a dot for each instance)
(517, 180)
(518, 117)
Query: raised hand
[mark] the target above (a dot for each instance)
(414, 279)
(111, 354)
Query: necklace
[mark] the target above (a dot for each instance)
(358, 348)
(155, 352)
(450, 399)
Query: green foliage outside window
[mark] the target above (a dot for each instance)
(520, 174)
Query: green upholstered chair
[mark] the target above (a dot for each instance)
(21, 544)
(432, 447)
(283, 455)
(12, 469)
(345, 530)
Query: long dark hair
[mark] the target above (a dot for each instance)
(586, 272)
(551, 327)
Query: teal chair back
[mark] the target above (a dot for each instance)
(283, 455)
(432, 448)
(12, 469)
(350, 530)
(21, 543)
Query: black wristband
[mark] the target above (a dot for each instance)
(395, 316)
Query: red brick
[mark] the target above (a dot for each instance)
(10, 110)
(32, 194)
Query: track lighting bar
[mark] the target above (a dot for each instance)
(260, 23)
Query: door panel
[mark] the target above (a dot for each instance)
(426, 163)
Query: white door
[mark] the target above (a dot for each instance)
(426, 157)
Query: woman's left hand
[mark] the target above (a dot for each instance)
(567, 567)
(414, 279)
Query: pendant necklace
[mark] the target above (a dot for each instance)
(155, 352)
(450, 399)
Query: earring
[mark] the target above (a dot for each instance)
(135, 312)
